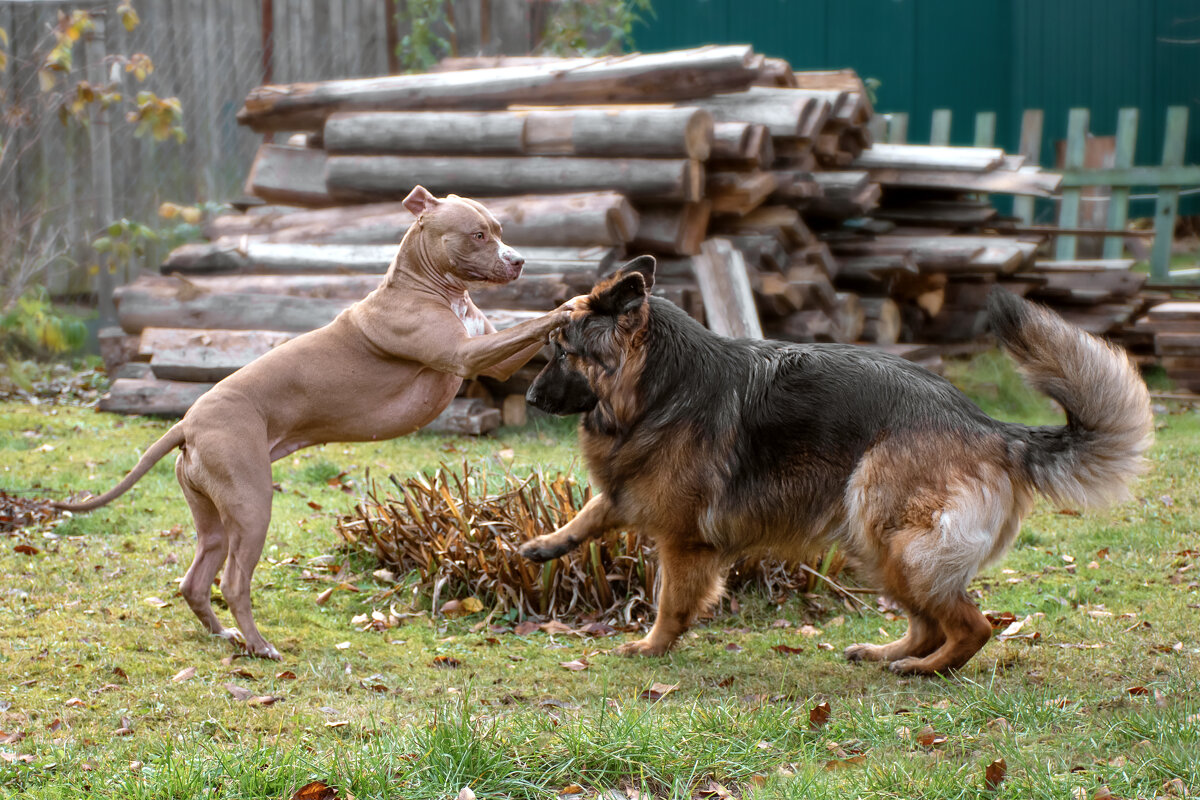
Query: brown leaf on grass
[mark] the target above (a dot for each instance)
(818, 716)
(928, 737)
(324, 596)
(75, 702)
(1138, 691)
(1103, 793)
(120, 673)
(446, 662)
(286, 675)
(526, 627)
(1174, 788)
(714, 789)
(570, 789)
(849, 761)
(577, 665)
(787, 650)
(187, 673)
(657, 691)
(317, 790)
(11, 738)
(598, 629)
(554, 626)
(244, 695)
(26, 550)
(733, 647)
(13, 758)
(1000, 619)
(55, 725)
(994, 774)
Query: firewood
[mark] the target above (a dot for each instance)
(785, 112)
(290, 175)
(738, 193)
(882, 323)
(151, 397)
(628, 131)
(367, 178)
(628, 78)
(672, 228)
(725, 286)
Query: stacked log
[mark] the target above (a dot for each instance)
(1174, 326)
(758, 189)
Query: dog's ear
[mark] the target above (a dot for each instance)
(626, 293)
(420, 200)
(643, 265)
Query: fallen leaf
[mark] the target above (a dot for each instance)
(577, 665)
(1137, 691)
(187, 673)
(733, 647)
(13, 758)
(573, 788)
(157, 602)
(466, 793)
(286, 675)
(120, 673)
(928, 737)
(324, 596)
(818, 716)
(841, 763)
(787, 650)
(554, 626)
(809, 630)
(239, 693)
(446, 662)
(714, 789)
(26, 550)
(1175, 788)
(317, 790)
(75, 702)
(994, 774)
(525, 628)
(658, 691)
(342, 646)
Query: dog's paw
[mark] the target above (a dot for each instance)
(642, 647)
(233, 636)
(862, 652)
(539, 550)
(911, 666)
(265, 650)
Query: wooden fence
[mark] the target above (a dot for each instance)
(1095, 169)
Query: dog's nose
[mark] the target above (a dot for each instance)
(511, 256)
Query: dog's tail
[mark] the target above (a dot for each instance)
(170, 440)
(1090, 460)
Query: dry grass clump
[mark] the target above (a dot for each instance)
(460, 538)
(18, 513)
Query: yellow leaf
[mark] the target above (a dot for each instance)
(168, 210)
(129, 18)
(192, 215)
(471, 604)
(3, 37)
(46, 80)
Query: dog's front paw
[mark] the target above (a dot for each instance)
(862, 652)
(911, 666)
(543, 548)
(642, 647)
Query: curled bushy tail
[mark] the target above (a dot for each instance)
(1091, 460)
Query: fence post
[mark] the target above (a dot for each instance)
(1118, 201)
(985, 128)
(939, 128)
(100, 147)
(1068, 212)
(1031, 148)
(1167, 207)
(898, 128)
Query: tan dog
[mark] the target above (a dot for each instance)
(383, 368)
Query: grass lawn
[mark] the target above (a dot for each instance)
(108, 687)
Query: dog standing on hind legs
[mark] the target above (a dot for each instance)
(721, 448)
(384, 367)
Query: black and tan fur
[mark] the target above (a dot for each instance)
(721, 448)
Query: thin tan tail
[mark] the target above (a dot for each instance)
(169, 441)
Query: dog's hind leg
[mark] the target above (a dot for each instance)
(247, 522)
(967, 631)
(692, 578)
(594, 519)
(211, 547)
(923, 637)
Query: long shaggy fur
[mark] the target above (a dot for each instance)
(718, 448)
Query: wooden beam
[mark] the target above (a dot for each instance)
(1167, 208)
(1118, 202)
(939, 127)
(1031, 149)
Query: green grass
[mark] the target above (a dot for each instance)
(82, 653)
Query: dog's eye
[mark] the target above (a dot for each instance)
(479, 235)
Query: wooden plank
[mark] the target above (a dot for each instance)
(1166, 209)
(1025, 181)
(1118, 202)
(1174, 177)
(1068, 213)
(939, 127)
(897, 128)
(290, 175)
(725, 286)
(985, 129)
(925, 157)
(1031, 149)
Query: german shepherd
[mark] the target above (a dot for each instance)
(721, 448)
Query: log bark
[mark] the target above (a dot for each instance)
(738, 193)
(138, 310)
(568, 220)
(641, 78)
(725, 286)
(786, 113)
(626, 131)
(672, 229)
(882, 321)
(151, 397)
(290, 175)
(361, 178)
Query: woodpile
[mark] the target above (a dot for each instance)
(758, 189)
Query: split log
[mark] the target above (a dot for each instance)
(725, 286)
(138, 310)
(738, 193)
(882, 323)
(629, 131)
(362, 178)
(290, 175)
(927, 157)
(181, 354)
(672, 229)
(769, 220)
(568, 220)
(1029, 181)
(816, 290)
(741, 145)
(640, 78)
